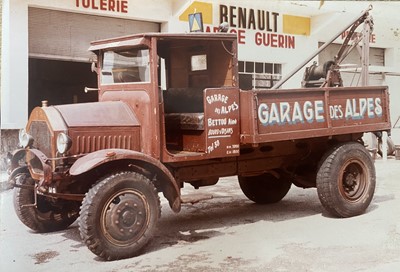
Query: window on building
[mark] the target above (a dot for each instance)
(258, 75)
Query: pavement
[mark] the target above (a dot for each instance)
(3, 181)
(229, 233)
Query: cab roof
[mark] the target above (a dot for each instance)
(144, 39)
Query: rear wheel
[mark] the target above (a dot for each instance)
(119, 215)
(266, 188)
(48, 215)
(346, 180)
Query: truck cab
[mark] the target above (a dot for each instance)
(181, 88)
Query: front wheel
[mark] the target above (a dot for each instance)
(346, 180)
(48, 214)
(119, 215)
(266, 188)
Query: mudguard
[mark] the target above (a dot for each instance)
(44, 176)
(167, 181)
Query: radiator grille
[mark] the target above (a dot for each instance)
(42, 137)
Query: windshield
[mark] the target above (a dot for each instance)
(132, 65)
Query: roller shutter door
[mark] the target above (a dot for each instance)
(66, 36)
(376, 58)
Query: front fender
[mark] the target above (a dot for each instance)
(37, 164)
(168, 183)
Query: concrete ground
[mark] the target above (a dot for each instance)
(230, 233)
(3, 181)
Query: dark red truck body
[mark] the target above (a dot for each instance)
(170, 112)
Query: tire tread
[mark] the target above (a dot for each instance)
(87, 231)
(327, 184)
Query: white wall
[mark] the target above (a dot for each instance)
(148, 10)
(15, 51)
(393, 82)
(325, 21)
(392, 59)
(14, 63)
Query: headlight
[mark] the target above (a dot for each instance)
(64, 143)
(25, 140)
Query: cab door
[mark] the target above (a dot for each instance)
(221, 122)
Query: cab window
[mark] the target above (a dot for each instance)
(127, 66)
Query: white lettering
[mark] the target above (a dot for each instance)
(335, 112)
(263, 113)
(216, 122)
(362, 107)
(319, 111)
(285, 108)
(349, 110)
(297, 116)
(232, 121)
(378, 107)
(370, 107)
(217, 98)
(284, 113)
(274, 116)
(308, 111)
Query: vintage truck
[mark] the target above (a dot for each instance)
(170, 113)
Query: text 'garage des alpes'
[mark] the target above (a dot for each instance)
(285, 113)
(265, 23)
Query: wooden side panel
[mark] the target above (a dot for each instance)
(303, 113)
(179, 69)
(221, 64)
(220, 68)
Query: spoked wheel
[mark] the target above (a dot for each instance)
(119, 215)
(346, 180)
(48, 215)
(266, 188)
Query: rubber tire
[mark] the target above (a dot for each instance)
(46, 216)
(265, 188)
(390, 146)
(102, 199)
(331, 180)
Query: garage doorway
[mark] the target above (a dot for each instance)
(60, 82)
(59, 60)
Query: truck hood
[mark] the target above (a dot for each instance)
(91, 126)
(99, 114)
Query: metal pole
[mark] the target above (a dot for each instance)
(301, 65)
(365, 53)
(384, 145)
